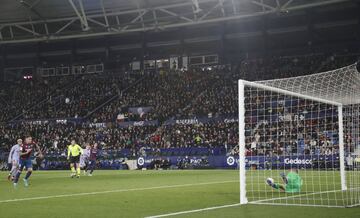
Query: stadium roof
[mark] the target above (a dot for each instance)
(45, 20)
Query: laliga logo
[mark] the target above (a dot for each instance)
(230, 160)
(141, 161)
(297, 161)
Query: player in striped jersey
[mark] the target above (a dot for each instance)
(93, 156)
(26, 151)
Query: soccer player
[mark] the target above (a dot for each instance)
(74, 152)
(292, 182)
(84, 158)
(39, 155)
(13, 159)
(93, 156)
(26, 150)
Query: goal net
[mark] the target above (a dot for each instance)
(299, 140)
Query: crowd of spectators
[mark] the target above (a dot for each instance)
(57, 136)
(215, 100)
(171, 95)
(219, 134)
(18, 97)
(81, 97)
(167, 93)
(275, 67)
(286, 125)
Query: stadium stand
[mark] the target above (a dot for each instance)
(101, 109)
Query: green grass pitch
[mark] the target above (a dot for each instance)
(147, 193)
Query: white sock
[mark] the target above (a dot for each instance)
(13, 171)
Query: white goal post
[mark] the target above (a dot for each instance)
(306, 126)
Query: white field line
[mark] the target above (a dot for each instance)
(354, 205)
(116, 191)
(293, 196)
(301, 205)
(301, 195)
(260, 202)
(194, 211)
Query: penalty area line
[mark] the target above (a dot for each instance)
(194, 211)
(116, 191)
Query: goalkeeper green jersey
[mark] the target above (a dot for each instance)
(294, 183)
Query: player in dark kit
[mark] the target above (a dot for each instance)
(92, 159)
(26, 150)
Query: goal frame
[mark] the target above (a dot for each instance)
(242, 164)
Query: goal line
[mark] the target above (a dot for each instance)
(304, 195)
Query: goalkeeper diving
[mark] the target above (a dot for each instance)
(292, 182)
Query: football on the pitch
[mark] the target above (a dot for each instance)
(270, 180)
